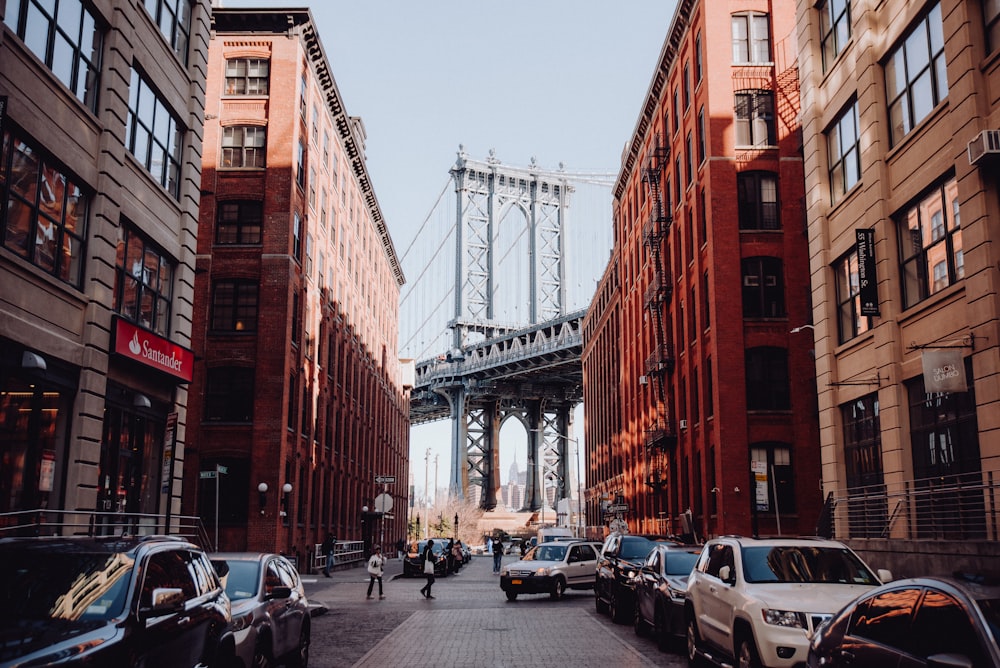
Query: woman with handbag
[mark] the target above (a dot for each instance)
(429, 560)
(376, 564)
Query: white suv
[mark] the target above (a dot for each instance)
(551, 568)
(755, 602)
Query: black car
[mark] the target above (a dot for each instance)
(413, 562)
(660, 590)
(928, 621)
(153, 601)
(620, 560)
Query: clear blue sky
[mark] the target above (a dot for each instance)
(558, 80)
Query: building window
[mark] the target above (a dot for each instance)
(66, 37)
(229, 394)
(991, 14)
(688, 158)
(751, 38)
(709, 389)
(234, 306)
(915, 76)
(754, 116)
(834, 29)
(706, 301)
(174, 19)
(300, 165)
(247, 76)
(239, 222)
(757, 200)
(930, 244)
(701, 136)
(699, 59)
(144, 278)
(297, 236)
(244, 146)
(850, 321)
(776, 460)
(844, 152)
(763, 288)
(867, 503)
(687, 86)
(154, 135)
(944, 438)
(43, 210)
(767, 379)
(677, 110)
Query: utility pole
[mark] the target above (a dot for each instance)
(435, 479)
(427, 496)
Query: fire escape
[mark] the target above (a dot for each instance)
(661, 437)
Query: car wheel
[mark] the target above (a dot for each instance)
(602, 607)
(660, 629)
(262, 654)
(746, 652)
(511, 596)
(299, 658)
(638, 624)
(558, 588)
(694, 659)
(619, 615)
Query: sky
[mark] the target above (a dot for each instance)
(562, 81)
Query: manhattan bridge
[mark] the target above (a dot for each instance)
(500, 275)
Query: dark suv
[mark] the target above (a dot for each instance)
(78, 601)
(620, 560)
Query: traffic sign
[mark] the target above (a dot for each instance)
(385, 479)
(618, 508)
(207, 474)
(221, 469)
(383, 503)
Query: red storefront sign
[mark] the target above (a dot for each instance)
(153, 351)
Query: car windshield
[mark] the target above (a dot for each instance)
(805, 563)
(635, 547)
(66, 586)
(681, 563)
(546, 552)
(242, 580)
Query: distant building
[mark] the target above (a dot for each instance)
(101, 107)
(901, 129)
(698, 395)
(297, 296)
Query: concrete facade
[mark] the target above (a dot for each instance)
(297, 302)
(699, 396)
(99, 191)
(903, 456)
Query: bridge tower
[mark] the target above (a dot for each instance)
(508, 219)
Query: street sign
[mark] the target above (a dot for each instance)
(221, 469)
(383, 503)
(207, 474)
(617, 508)
(385, 479)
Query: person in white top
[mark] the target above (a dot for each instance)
(376, 564)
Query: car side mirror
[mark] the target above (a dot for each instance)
(884, 574)
(724, 574)
(949, 661)
(279, 592)
(164, 601)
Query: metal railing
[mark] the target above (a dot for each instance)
(46, 522)
(954, 507)
(344, 552)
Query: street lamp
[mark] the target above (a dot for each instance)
(579, 480)
(456, 525)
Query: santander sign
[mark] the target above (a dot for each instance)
(152, 350)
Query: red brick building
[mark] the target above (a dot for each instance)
(698, 394)
(297, 291)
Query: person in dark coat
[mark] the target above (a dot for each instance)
(428, 572)
(329, 545)
(497, 554)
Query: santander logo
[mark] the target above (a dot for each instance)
(134, 346)
(153, 350)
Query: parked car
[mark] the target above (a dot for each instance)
(413, 563)
(551, 568)
(152, 601)
(755, 602)
(660, 592)
(929, 621)
(622, 555)
(271, 620)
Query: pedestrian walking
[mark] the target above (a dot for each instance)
(449, 555)
(497, 554)
(376, 565)
(456, 556)
(401, 548)
(429, 560)
(328, 547)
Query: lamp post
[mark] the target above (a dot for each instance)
(427, 496)
(456, 526)
(579, 482)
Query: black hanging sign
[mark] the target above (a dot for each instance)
(867, 278)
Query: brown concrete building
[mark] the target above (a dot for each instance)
(297, 299)
(101, 108)
(900, 126)
(698, 395)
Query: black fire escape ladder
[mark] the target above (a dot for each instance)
(660, 437)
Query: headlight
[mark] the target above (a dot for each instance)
(542, 571)
(794, 620)
(505, 571)
(242, 622)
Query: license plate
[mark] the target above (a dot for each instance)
(515, 582)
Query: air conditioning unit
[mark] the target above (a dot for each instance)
(985, 145)
(684, 424)
(644, 380)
